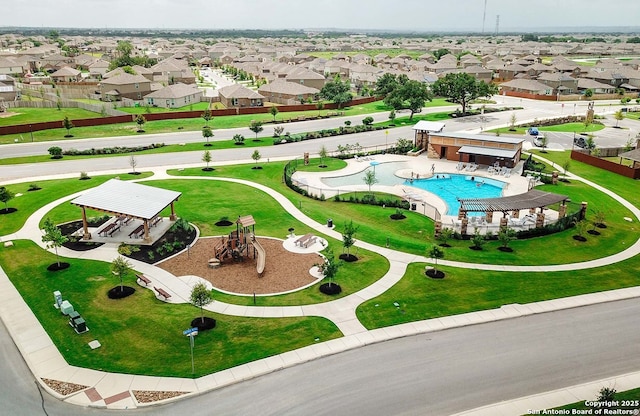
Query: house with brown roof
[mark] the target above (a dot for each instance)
(527, 86)
(98, 68)
(306, 77)
(174, 96)
(8, 89)
(66, 74)
(287, 93)
(238, 96)
(124, 86)
(562, 83)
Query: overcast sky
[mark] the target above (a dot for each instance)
(422, 15)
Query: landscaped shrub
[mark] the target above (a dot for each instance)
(111, 150)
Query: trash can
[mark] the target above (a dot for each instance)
(330, 223)
(413, 206)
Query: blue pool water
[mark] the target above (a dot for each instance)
(448, 187)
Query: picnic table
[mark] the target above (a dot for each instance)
(137, 232)
(109, 229)
(305, 240)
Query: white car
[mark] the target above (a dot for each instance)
(539, 140)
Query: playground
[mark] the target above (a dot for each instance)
(237, 263)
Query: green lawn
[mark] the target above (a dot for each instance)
(140, 334)
(560, 128)
(620, 396)
(145, 110)
(25, 115)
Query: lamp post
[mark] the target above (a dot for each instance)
(31, 133)
(386, 137)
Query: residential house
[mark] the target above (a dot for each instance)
(562, 83)
(10, 66)
(287, 93)
(237, 96)
(98, 68)
(8, 89)
(174, 96)
(595, 86)
(527, 86)
(124, 86)
(66, 74)
(53, 62)
(510, 72)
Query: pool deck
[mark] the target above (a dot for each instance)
(420, 167)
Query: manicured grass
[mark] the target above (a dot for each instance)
(140, 334)
(392, 52)
(30, 201)
(172, 126)
(145, 110)
(620, 396)
(26, 115)
(633, 116)
(560, 128)
(415, 233)
(469, 290)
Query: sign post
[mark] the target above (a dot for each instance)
(191, 332)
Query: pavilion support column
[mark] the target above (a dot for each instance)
(562, 211)
(464, 225)
(147, 236)
(462, 214)
(540, 220)
(554, 177)
(173, 212)
(503, 223)
(515, 213)
(437, 228)
(532, 211)
(489, 216)
(583, 211)
(86, 235)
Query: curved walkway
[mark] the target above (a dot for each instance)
(46, 362)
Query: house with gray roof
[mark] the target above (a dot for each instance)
(287, 93)
(124, 86)
(238, 96)
(174, 96)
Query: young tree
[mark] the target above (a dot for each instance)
(392, 116)
(238, 139)
(436, 253)
(207, 133)
(68, 125)
(53, 237)
(140, 121)
(6, 196)
(618, 115)
(200, 297)
(588, 93)
(348, 239)
(133, 162)
(206, 157)
(256, 156)
(319, 107)
(565, 168)
(323, 154)
(120, 267)
(206, 115)
(273, 110)
(512, 122)
(370, 179)
(256, 127)
(277, 131)
(336, 91)
(506, 235)
(461, 88)
(329, 267)
(446, 234)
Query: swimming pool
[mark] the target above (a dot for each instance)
(447, 187)
(450, 187)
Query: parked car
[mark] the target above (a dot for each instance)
(580, 142)
(533, 131)
(539, 140)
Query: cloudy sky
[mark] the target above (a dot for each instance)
(421, 15)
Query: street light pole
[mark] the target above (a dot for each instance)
(31, 132)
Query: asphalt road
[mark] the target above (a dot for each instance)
(438, 373)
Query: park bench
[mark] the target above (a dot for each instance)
(162, 293)
(114, 229)
(305, 240)
(155, 221)
(143, 278)
(106, 229)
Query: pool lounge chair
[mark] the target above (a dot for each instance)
(521, 222)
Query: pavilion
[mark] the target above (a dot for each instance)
(127, 201)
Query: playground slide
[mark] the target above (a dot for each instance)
(261, 257)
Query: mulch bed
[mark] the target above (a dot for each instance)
(62, 387)
(116, 293)
(149, 396)
(56, 267)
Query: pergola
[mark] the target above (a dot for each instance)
(129, 199)
(633, 155)
(514, 203)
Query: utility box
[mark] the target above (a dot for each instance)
(80, 325)
(57, 298)
(65, 307)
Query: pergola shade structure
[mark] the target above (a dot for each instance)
(528, 200)
(127, 199)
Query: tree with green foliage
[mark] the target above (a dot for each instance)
(588, 93)
(140, 121)
(618, 115)
(238, 139)
(200, 297)
(68, 125)
(207, 133)
(336, 91)
(462, 88)
(256, 127)
(445, 235)
(55, 152)
(370, 179)
(392, 116)
(319, 107)
(387, 83)
(5, 196)
(506, 235)
(120, 267)
(207, 116)
(440, 53)
(273, 110)
(348, 239)
(590, 144)
(53, 237)
(478, 239)
(408, 95)
(206, 157)
(256, 156)
(329, 267)
(436, 253)
(367, 121)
